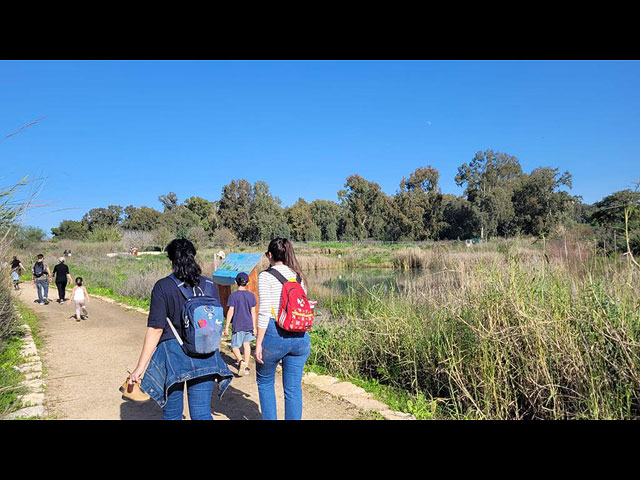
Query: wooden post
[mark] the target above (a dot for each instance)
(252, 286)
(224, 291)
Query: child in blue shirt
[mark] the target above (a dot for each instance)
(242, 314)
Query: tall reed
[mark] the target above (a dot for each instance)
(508, 337)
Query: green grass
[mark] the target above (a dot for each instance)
(397, 400)
(9, 377)
(10, 358)
(31, 319)
(131, 301)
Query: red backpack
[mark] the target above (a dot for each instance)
(296, 311)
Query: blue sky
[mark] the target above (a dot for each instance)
(125, 132)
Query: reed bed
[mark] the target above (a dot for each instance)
(508, 336)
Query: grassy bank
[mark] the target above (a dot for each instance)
(10, 359)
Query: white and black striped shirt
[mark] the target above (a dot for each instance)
(269, 291)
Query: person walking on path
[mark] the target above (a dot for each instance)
(16, 264)
(274, 343)
(16, 270)
(169, 367)
(81, 297)
(61, 272)
(242, 315)
(41, 276)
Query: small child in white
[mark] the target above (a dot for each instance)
(81, 297)
(16, 280)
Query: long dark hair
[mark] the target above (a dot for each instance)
(182, 255)
(281, 250)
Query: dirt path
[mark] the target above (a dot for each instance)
(87, 361)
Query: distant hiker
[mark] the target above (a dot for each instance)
(274, 343)
(242, 314)
(170, 367)
(16, 264)
(81, 297)
(61, 271)
(41, 278)
(16, 269)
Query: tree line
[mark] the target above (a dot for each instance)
(499, 199)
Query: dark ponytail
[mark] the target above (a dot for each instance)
(182, 255)
(281, 250)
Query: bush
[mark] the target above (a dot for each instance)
(224, 238)
(105, 234)
(198, 237)
(142, 240)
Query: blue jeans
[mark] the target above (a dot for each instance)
(42, 284)
(293, 349)
(199, 391)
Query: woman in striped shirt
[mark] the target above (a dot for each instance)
(275, 344)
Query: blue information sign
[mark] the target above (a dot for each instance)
(233, 264)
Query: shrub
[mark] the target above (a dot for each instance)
(105, 234)
(225, 238)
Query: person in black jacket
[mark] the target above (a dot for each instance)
(61, 272)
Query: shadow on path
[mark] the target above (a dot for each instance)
(234, 405)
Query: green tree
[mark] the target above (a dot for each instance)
(301, 224)
(103, 217)
(460, 218)
(326, 215)
(71, 230)
(617, 216)
(418, 206)
(206, 212)
(234, 207)
(179, 220)
(489, 180)
(163, 236)
(28, 235)
(143, 218)
(198, 236)
(169, 201)
(539, 208)
(265, 215)
(366, 209)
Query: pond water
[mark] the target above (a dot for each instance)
(341, 282)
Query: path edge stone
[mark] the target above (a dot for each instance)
(31, 367)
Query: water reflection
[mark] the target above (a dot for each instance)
(341, 282)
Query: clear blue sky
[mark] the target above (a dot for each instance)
(126, 132)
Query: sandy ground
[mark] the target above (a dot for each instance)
(87, 361)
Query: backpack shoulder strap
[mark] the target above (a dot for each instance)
(211, 290)
(186, 291)
(277, 274)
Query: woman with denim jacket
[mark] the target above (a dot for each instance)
(274, 344)
(169, 367)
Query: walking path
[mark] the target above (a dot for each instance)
(87, 361)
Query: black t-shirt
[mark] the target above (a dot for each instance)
(167, 301)
(15, 263)
(61, 271)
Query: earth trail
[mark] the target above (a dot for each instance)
(87, 361)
